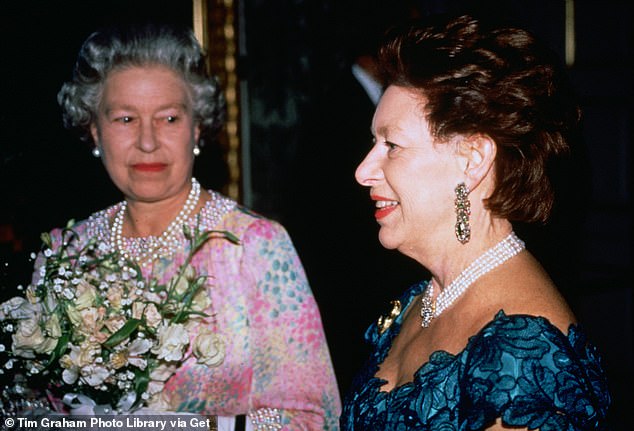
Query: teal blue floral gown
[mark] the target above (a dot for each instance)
(518, 367)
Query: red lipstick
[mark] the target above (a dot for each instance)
(385, 211)
(149, 167)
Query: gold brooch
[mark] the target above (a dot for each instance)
(385, 322)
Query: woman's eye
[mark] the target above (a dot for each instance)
(390, 146)
(125, 119)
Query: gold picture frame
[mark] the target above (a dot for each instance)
(215, 26)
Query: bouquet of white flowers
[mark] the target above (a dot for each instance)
(89, 328)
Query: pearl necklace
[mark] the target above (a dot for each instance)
(166, 242)
(493, 257)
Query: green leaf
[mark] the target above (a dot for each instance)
(60, 348)
(141, 382)
(187, 231)
(46, 239)
(126, 330)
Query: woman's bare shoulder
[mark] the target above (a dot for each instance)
(524, 287)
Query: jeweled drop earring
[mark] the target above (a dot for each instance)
(196, 150)
(95, 152)
(463, 210)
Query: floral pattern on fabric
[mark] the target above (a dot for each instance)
(518, 367)
(276, 354)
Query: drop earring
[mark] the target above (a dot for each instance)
(95, 152)
(196, 150)
(463, 210)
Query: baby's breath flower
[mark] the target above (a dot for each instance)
(48, 252)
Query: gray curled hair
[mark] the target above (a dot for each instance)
(146, 45)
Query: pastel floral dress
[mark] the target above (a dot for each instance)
(276, 366)
(518, 367)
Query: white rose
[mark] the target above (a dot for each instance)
(209, 348)
(201, 300)
(114, 295)
(84, 354)
(114, 323)
(152, 297)
(52, 328)
(17, 308)
(181, 283)
(163, 372)
(94, 375)
(137, 310)
(86, 295)
(136, 349)
(70, 375)
(73, 315)
(172, 340)
(152, 316)
(29, 338)
(90, 320)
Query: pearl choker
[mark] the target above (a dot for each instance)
(493, 257)
(152, 246)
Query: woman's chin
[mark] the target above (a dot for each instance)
(388, 240)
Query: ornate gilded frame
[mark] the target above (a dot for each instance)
(215, 26)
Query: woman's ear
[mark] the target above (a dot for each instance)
(196, 134)
(478, 155)
(94, 132)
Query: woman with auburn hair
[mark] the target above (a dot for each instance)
(463, 132)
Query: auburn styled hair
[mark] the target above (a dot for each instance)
(496, 81)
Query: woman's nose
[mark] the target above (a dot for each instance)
(148, 141)
(369, 170)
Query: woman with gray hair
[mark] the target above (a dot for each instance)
(142, 97)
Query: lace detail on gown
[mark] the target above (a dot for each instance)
(520, 368)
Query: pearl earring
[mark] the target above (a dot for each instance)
(196, 150)
(96, 153)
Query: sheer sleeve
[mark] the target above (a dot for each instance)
(526, 371)
(294, 386)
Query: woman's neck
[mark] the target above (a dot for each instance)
(144, 219)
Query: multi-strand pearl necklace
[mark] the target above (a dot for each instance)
(493, 257)
(167, 241)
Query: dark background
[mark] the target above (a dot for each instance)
(308, 129)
